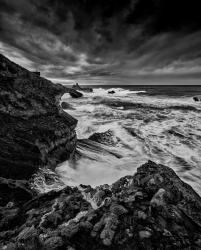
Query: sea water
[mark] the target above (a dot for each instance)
(158, 123)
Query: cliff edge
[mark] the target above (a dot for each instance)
(34, 130)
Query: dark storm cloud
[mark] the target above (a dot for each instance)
(72, 38)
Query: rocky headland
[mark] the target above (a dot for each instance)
(35, 132)
(151, 210)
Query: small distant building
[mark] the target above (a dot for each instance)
(36, 73)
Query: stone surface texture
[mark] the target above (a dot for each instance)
(34, 128)
(153, 209)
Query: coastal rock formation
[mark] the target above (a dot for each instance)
(75, 94)
(106, 138)
(153, 209)
(66, 105)
(111, 92)
(34, 131)
(196, 99)
(77, 87)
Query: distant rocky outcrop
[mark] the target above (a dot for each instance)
(77, 87)
(153, 209)
(111, 92)
(34, 131)
(76, 94)
(196, 99)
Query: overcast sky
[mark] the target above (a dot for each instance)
(105, 41)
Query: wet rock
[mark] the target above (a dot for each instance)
(53, 243)
(29, 238)
(163, 213)
(66, 105)
(111, 92)
(196, 99)
(14, 192)
(117, 209)
(76, 94)
(106, 138)
(159, 198)
(144, 234)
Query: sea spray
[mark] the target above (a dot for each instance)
(161, 128)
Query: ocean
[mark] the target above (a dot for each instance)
(158, 123)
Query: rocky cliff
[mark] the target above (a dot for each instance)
(34, 130)
(153, 209)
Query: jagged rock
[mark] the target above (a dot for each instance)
(53, 243)
(29, 238)
(77, 87)
(106, 138)
(34, 130)
(117, 209)
(165, 213)
(14, 191)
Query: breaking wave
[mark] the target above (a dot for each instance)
(132, 127)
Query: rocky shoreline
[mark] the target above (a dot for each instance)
(153, 209)
(35, 132)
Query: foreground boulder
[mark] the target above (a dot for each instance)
(153, 209)
(35, 131)
(77, 87)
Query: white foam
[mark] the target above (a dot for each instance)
(150, 138)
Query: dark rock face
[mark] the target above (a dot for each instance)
(153, 209)
(111, 92)
(15, 192)
(196, 99)
(105, 138)
(34, 130)
(75, 94)
(77, 87)
(66, 105)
